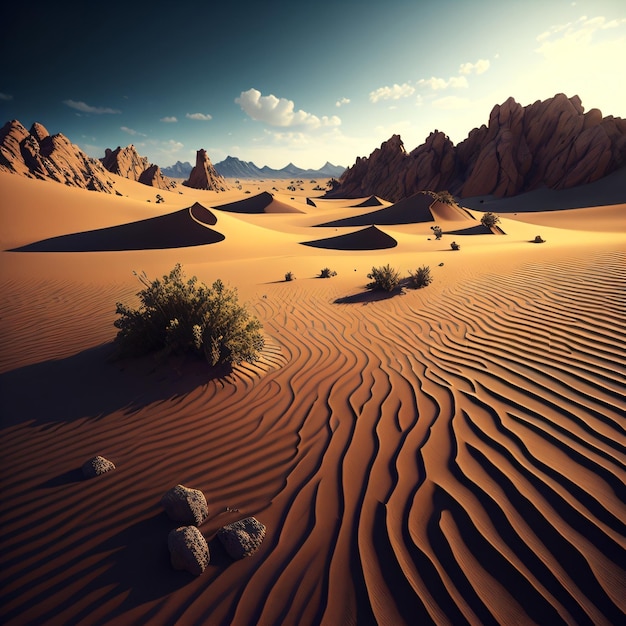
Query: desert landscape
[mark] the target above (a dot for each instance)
(450, 454)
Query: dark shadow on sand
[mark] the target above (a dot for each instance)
(412, 210)
(90, 385)
(479, 229)
(181, 229)
(370, 238)
(369, 296)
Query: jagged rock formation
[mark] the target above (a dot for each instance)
(128, 163)
(37, 154)
(178, 170)
(552, 144)
(188, 550)
(204, 175)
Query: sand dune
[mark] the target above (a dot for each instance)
(412, 210)
(261, 203)
(187, 227)
(370, 238)
(452, 455)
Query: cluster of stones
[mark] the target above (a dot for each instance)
(188, 548)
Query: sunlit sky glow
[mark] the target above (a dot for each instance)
(301, 82)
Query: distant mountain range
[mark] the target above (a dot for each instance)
(232, 167)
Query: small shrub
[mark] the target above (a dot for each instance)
(455, 246)
(437, 231)
(538, 239)
(289, 276)
(183, 316)
(385, 278)
(489, 219)
(327, 273)
(421, 277)
(444, 196)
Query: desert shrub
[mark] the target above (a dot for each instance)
(385, 278)
(327, 273)
(538, 239)
(178, 315)
(444, 196)
(421, 277)
(489, 219)
(290, 276)
(455, 246)
(437, 231)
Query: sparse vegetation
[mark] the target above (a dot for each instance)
(444, 196)
(327, 273)
(437, 231)
(332, 184)
(489, 219)
(385, 278)
(538, 239)
(289, 276)
(455, 246)
(178, 315)
(421, 277)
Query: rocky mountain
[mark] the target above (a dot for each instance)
(128, 163)
(548, 144)
(178, 170)
(204, 176)
(232, 167)
(37, 154)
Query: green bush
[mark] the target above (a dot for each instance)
(421, 277)
(327, 273)
(385, 278)
(186, 316)
(489, 219)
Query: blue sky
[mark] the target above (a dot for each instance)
(277, 82)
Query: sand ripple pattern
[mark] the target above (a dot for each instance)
(449, 457)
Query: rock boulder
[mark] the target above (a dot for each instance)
(185, 505)
(242, 538)
(96, 466)
(188, 550)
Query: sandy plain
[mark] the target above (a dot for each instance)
(453, 454)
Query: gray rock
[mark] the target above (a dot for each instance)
(96, 466)
(188, 550)
(185, 505)
(242, 538)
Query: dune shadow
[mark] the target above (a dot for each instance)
(371, 295)
(370, 238)
(66, 478)
(412, 210)
(90, 385)
(479, 229)
(181, 229)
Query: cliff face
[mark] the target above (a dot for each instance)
(204, 175)
(37, 154)
(128, 163)
(552, 144)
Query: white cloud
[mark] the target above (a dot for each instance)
(342, 101)
(169, 119)
(280, 111)
(86, 108)
(5, 96)
(480, 67)
(394, 92)
(131, 131)
(204, 117)
(437, 84)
